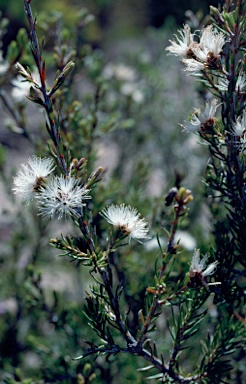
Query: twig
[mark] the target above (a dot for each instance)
(47, 103)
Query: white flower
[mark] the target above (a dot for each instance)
(223, 83)
(198, 265)
(240, 125)
(184, 42)
(241, 82)
(240, 86)
(207, 52)
(127, 220)
(30, 178)
(61, 196)
(211, 42)
(193, 65)
(203, 120)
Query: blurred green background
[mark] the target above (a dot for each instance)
(114, 18)
(147, 95)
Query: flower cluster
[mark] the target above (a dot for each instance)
(64, 196)
(60, 196)
(127, 220)
(199, 55)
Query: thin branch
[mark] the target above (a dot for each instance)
(47, 103)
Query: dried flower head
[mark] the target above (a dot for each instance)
(183, 46)
(203, 121)
(127, 220)
(198, 271)
(61, 196)
(31, 177)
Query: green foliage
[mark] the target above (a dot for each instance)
(148, 303)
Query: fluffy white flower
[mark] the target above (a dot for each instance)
(31, 176)
(241, 82)
(240, 125)
(211, 42)
(182, 46)
(198, 265)
(193, 65)
(201, 120)
(207, 52)
(61, 196)
(127, 220)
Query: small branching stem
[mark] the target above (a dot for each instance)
(47, 103)
(133, 345)
(178, 209)
(156, 302)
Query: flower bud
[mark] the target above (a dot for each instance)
(94, 177)
(34, 96)
(216, 14)
(188, 199)
(68, 69)
(170, 196)
(182, 193)
(22, 70)
(87, 369)
(60, 79)
(80, 379)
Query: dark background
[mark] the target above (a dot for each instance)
(121, 18)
